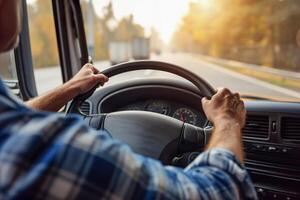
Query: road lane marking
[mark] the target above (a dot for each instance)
(254, 80)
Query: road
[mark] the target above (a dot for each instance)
(212, 73)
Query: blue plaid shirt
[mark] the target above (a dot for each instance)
(51, 156)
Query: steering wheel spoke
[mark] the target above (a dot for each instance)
(194, 138)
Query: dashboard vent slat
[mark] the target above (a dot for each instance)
(257, 126)
(290, 128)
(86, 108)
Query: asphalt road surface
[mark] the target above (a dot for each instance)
(217, 76)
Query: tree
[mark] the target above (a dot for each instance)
(42, 34)
(126, 29)
(257, 31)
(106, 29)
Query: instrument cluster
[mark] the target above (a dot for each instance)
(176, 110)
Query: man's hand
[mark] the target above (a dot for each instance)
(82, 82)
(225, 107)
(227, 112)
(87, 78)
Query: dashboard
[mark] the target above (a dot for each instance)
(271, 136)
(174, 109)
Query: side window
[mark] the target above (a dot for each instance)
(8, 68)
(8, 72)
(43, 45)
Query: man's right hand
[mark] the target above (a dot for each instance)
(225, 106)
(227, 113)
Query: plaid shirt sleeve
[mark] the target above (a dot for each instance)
(50, 156)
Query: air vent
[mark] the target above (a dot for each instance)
(290, 128)
(257, 126)
(86, 108)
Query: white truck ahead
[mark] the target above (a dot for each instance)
(119, 52)
(140, 48)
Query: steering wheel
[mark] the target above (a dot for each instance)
(151, 134)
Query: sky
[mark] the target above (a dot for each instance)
(163, 15)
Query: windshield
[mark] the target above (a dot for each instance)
(249, 46)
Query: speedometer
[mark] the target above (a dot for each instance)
(185, 115)
(161, 107)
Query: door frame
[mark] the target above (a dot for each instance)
(23, 60)
(73, 52)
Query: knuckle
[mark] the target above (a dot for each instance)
(87, 65)
(94, 78)
(226, 91)
(101, 77)
(237, 95)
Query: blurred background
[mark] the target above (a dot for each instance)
(254, 38)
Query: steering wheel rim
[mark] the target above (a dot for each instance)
(184, 134)
(197, 81)
(200, 83)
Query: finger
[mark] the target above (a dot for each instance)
(241, 107)
(88, 65)
(242, 104)
(236, 96)
(222, 92)
(204, 101)
(92, 67)
(101, 78)
(95, 70)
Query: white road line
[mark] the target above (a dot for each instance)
(255, 81)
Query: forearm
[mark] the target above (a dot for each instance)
(220, 168)
(215, 174)
(82, 82)
(54, 99)
(227, 135)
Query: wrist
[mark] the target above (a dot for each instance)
(228, 135)
(227, 122)
(70, 89)
(228, 125)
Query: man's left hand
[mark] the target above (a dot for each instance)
(87, 78)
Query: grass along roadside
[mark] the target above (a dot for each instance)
(264, 76)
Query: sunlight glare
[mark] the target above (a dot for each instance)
(164, 15)
(206, 3)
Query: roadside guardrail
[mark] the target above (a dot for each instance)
(278, 72)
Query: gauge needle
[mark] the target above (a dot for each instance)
(182, 117)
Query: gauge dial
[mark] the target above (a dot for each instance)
(134, 106)
(160, 107)
(185, 115)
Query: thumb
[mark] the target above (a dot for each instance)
(204, 100)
